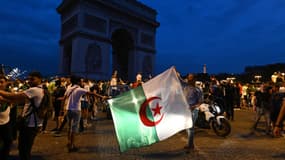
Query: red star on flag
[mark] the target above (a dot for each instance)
(157, 109)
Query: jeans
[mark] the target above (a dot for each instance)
(190, 131)
(25, 141)
(73, 118)
(5, 140)
(262, 112)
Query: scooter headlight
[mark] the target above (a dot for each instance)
(217, 109)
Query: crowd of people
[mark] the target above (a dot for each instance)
(76, 101)
(73, 98)
(265, 99)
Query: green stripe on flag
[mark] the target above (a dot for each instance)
(130, 131)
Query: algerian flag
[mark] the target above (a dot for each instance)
(151, 112)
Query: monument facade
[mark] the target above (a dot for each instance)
(101, 36)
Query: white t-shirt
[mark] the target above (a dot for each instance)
(35, 93)
(74, 94)
(84, 98)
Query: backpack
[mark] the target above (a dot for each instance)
(45, 110)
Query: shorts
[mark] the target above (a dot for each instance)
(73, 118)
(84, 105)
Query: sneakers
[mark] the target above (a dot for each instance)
(43, 132)
(93, 118)
(57, 134)
(188, 148)
(73, 149)
(87, 125)
(191, 149)
(54, 130)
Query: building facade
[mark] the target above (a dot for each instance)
(99, 37)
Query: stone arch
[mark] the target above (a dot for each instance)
(122, 44)
(126, 27)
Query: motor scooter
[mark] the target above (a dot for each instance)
(211, 117)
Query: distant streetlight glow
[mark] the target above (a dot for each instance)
(257, 77)
(274, 77)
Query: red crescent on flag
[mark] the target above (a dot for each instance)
(143, 116)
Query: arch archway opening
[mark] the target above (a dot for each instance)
(122, 45)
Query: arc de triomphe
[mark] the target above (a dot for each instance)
(100, 36)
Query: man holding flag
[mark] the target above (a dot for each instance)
(151, 112)
(194, 97)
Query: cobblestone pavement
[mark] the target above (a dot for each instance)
(99, 142)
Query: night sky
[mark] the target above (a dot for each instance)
(226, 35)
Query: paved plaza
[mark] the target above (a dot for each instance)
(99, 142)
